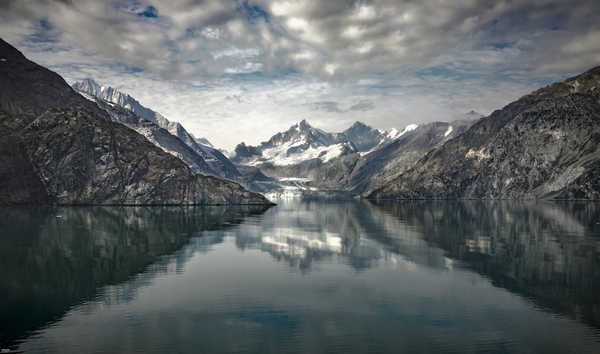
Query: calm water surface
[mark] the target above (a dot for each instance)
(303, 277)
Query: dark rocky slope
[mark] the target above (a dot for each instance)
(58, 147)
(544, 145)
(29, 88)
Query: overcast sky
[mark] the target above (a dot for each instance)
(235, 70)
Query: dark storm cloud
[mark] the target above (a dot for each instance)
(339, 38)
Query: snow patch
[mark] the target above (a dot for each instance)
(278, 155)
(2, 59)
(294, 179)
(409, 128)
(449, 131)
(87, 96)
(393, 134)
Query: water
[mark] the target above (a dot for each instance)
(303, 277)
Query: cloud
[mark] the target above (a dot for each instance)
(326, 106)
(245, 69)
(363, 106)
(335, 38)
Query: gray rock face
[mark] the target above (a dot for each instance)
(82, 159)
(75, 155)
(156, 135)
(219, 164)
(544, 145)
(363, 137)
(203, 159)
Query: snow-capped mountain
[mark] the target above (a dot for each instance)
(303, 142)
(364, 137)
(299, 143)
(111, 96)
(372, 157)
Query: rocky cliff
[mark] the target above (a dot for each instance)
(58, 147)
(219, 164)
(544, 145)
(156, 135)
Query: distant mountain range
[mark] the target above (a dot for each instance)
(303, 142)
(356, 160)
(58, 147)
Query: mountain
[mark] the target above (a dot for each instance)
(303, 143)
(299, 143)
(156, 135)
(372, 158)
(203, 141)
(58, 147)
(361, 173)
(365, 138)
(544, 145)
(219, 165)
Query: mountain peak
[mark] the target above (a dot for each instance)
(26, 87)
(90, 82)
(89, 86)
(358, 127)
(473, 114)
(304, 125)
(359, 124)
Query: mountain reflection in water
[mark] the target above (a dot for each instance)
(304, 277)
(54, 258)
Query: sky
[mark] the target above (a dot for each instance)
(243, 70)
